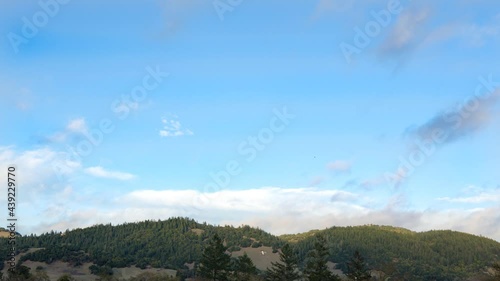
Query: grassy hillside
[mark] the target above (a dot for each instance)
(174, 243)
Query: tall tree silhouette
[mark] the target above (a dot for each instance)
(356, 268)
(244, 268)
(316, 268)
(215, 262)
(286, 269)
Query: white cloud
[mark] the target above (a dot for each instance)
(277, 210)
(36, 167)
(173, 128)
(100, 172)
(77, 126)
(480, 196)
(74, 126)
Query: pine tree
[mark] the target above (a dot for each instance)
(356, 268)
(244, 268)
(20, 273)
(40, 275)
(215, 262)
(287, 270)
(316, 268)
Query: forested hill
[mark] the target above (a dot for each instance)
(432, 255)
(441, 255)
(167, 244)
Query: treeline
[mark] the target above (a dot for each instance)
(174, 243)
(159, 244)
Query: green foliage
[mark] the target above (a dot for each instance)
(357, 269)
(244, 268)
(166, 244)
(149, 276)
(101, 270)
(66, 277)
(316, 268)
(40, 275)
(399, 253)
(215, 262)
(19, 273)
(286, 269)
(403, 254)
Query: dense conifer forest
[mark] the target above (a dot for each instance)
(388, 251)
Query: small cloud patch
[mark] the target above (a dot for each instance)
(173, 128)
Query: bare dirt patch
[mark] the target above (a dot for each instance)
(262, 262)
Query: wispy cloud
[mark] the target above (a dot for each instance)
(324, 7)
(20, 97)
(411, 32)
(339, 166)
(459, 121)
(316, 181)
(372, 182)
(406, 33)
(38, 165)
(76, 126)
(472, 34)
(480, 195)
(100, 172)
(177, 12)
(173, 128)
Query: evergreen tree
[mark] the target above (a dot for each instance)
(20, 273)
(287, 270)
(316, 268)
(356, 268)
(40, 275)
(244, 268)
(215, 262)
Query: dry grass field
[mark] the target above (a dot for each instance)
(82, 273)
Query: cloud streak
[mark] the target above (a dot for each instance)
(458, 122)
(480, 196)
(100, 172)
(406, 33)
(339, 166)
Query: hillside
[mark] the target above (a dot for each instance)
(441, 255)
(177, 242)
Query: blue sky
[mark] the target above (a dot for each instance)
(287, 116)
